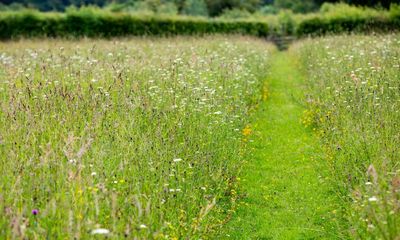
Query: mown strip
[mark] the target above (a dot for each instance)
(286, 186)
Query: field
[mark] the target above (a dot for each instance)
(354, 105)
(212, 137)
(139, 137)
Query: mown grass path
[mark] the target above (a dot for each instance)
(285, 179)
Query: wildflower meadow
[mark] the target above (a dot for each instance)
(354, 105)
(200, 119)
(126, 138)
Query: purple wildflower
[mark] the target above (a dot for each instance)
(35, 212)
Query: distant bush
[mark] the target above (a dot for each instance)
(168, 8)
(268, 9)
(11, 7)
(195, 8)
(235, 13)
(395, 12)
(340, 18)
(286, 22)
(322, 26)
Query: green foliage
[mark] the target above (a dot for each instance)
(143, 19)
(268, 9)
(339, 18)
(301, 6)
(235, 14)
(11, 7)
(92, 22)
(195, 8)
(216, 7)
(371, 3)
(145, 7)
(57, 5)
(395, 11)
(345, 10)
(168, 8)
(286, 22)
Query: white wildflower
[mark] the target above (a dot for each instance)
(142, 226)
(177, 159)
(373, 199)
(100, 231)
(371, 226)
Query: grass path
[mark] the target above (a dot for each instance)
(287, 192)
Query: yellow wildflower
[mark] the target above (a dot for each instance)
(246, 131)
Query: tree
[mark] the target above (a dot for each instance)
(195, 8)
(216, 7)
(47, 5)
(383, 3)
(299, 6)
(369, 3)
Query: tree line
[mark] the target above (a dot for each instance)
(190, 7)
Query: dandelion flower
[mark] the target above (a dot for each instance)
(246, 131)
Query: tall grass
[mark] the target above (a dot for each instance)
(141, 138)
(355, 107)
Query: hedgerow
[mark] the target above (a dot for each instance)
(321, 26)
(89, 24)
(92, 22)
